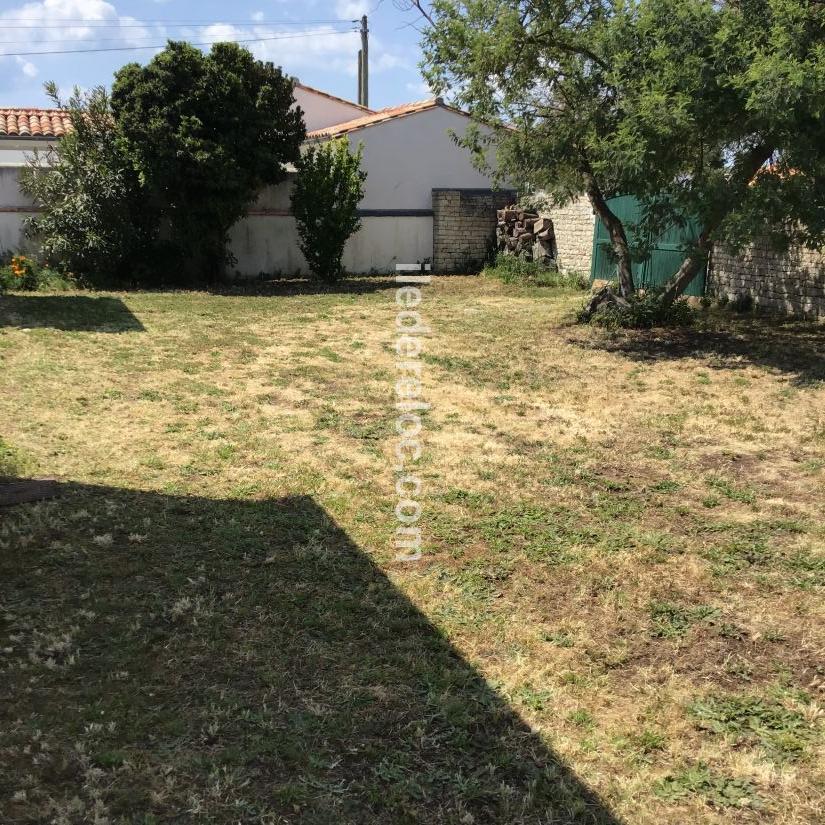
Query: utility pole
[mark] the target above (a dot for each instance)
(360, 94)
(364, 65)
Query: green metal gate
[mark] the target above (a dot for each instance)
(664, 259)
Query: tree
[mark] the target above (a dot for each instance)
(206, 132)
(696, 107)
(329, 186)
(93, 221)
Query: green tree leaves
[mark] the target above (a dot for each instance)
(695, 107)
(327, 191)
(205, 133)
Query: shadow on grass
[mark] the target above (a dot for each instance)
(187, 659)
(793, 347)
(353, 285)
(75, 313)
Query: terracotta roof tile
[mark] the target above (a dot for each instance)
(379, 116)
(34, 123)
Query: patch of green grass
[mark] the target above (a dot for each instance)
(560, 638)
(540, 533)
(329, 354)
(807, 569)
(511, 269)
(746, 719)
(666, 486)
(715, 788)
(670, 620)
(537, 699)
(647, 741)
(739, 554)
(474, 500)
(482, 580)
(582, 718)
(730, 490)
(12, 461)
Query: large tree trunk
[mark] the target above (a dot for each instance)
(618, 237)
(687, 271)
(742, 173)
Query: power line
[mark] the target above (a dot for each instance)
(121, 40)
(55, 41)
(83, 22)
(208, 43)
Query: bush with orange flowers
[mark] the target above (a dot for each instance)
(21, 273)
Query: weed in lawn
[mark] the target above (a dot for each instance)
(670, 620)
(715, 788)
(781, 733)
(730, 490)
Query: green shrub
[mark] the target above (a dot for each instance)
(514, 270)
(20, 273)
(325, 200)
(94, 219)
(23, 274)
(205, 132)
(643, 311)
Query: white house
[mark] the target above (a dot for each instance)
(410, 158)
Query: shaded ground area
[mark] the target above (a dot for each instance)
(189, 659)
(796, 348)
(68, 312)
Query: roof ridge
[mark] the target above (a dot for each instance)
(380, 116)
(333, 97)
(27, 109)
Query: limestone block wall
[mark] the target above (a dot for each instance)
(573, 225)
(464, 225)
(790, 283)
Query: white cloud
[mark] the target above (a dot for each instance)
(57, 24)
(28, 68)
(79, 24)
(420, 89)
(292, 47)
(351, 9)
(61, 25)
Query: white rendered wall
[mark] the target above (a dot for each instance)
(406, 158)
(269, 244)
(321, 111)
(14, 208)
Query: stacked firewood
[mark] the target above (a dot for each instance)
(525, 235)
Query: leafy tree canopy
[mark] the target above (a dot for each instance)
(715, 109)
(206, 132)
(94, 220)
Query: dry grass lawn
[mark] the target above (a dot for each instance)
(618, 617)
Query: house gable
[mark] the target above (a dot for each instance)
(322, 110)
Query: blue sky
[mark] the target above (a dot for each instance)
(309, 38)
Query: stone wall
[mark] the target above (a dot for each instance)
(464, 225)
(790, 283)
(573, 225)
